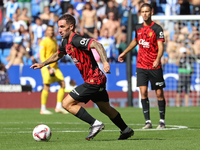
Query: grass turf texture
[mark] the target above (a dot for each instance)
(68, 132)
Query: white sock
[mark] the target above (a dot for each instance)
(97, 123)
(148, 121)
(59, 105)
(43, 107)
(126, 130)
(162, 120)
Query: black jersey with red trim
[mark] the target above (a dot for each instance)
(147, 37)
(78, 48)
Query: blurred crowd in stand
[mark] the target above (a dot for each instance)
(24, 23)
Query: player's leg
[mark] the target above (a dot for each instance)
(44, 97)
(145, 106)
(142, 83)
(60, 97)
(187, 89)
(82, 94)
(61, 92)
(115, 117)
(157, 84)
(161, 106)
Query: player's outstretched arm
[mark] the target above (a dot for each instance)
(55, 57)
(101, 51)
(129, 48)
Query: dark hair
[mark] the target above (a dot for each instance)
(69, 19)
(146, 5)
(51, 26)
(88, 3)
(70, 6)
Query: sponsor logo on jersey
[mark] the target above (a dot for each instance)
(143, 43)
(161, 35)
(84, 41)
(159, 83)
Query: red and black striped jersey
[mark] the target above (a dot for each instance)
(147, 37)
(78, 48)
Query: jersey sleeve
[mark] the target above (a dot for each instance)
(81, 43)
(160, 34)
(62, 47)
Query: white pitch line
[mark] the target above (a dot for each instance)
(169, 127)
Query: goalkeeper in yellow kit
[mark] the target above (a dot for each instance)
(51, 73)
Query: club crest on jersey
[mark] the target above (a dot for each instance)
(91, 80)
(150, 34)
(72, 49)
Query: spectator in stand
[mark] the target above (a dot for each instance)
(194, 35)
(89, 20)
(11, 8)
(74, 13)
(55, 7)
(38, 29)
(4, 78)
(196, 7)
(64, 5)
(26, 38)
(184, 7)
(171, 49)
(35, 56)
(113, 27)
(16, 25)
(185, 63)
(101, 10)
(43, 3)
(45, 17)
(123, 13)
(112, 8)
(16, 53)
(78, 5)
(196, 48)
(109, 46)
(25, 4)
(24, 16)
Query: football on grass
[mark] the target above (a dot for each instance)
(42, 133)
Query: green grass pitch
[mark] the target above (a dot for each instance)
(182, 130)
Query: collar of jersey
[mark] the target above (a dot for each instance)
(71, 38)
(149, 25)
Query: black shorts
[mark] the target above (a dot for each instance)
(154, 76)
(184, 82)
(86, 92)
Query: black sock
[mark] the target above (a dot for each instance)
(119, 122)
(161, 106)
(85, 116)
(145, 106)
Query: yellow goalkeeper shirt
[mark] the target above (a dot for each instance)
(48, 47)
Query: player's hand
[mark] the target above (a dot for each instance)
(121, 57)
(155, 64)
(106, 67)
(37, 66)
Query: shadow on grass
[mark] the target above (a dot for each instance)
(138, 139)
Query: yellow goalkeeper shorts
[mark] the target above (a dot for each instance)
(47, 79)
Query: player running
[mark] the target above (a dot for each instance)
(150, 38)
(93, 88)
